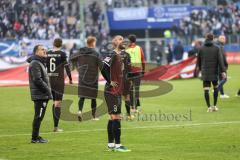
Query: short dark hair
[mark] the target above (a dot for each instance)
(57, 42)
(35, 49)
(132, 38)
(209, 36)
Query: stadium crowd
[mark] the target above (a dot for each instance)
(220, 20)
(46, 19)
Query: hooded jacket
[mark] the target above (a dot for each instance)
(88, 63)
(40, 88)
(210, 61)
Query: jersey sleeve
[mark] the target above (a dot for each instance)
(66, 65)
(143, 60)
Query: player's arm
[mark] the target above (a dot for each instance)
(224, 57)
(67, 68)
(143, 61)
(221, 64)
(37, 80)
(112, 75)
(68, 71)
(198, 66)
(128, 65)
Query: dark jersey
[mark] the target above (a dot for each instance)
(112, 70)
(56, 62)
(116, 73)
(126, 60)
(105, 70)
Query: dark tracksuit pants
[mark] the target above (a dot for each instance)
(134, 90)
(39, 109)
(221, 83)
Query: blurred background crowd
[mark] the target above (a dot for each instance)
(73, 19)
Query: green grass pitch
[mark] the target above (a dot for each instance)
(205, 136)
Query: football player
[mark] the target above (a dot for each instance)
(56, 62)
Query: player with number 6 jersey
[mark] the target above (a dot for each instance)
(56, 62)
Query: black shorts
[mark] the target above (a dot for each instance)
(113, 102)
(57, 87)
(208, 84)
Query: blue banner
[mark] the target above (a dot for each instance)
(163, 17)
(9, 48)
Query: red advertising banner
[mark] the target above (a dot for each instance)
(233, 58)
(18, 76)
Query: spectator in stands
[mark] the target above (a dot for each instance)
(178, 51)
(196, 45)
(158, 51)
(44, 19)
(170, 52)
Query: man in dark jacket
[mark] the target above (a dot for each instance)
(88, 62)
(39, 88)
(209, 62)
(221, 43)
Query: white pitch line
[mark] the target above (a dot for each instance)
(142, 127)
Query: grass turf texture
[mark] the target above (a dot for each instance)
(205, 137)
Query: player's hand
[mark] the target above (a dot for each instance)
(224, 75)
(114, 84)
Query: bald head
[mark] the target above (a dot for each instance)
(117, 40)
(222, 39)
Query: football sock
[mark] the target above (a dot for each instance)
(117, 130)
(215, 96)
(221, 91)
(94, 107)
(138, 102)
(127, 105)
(207, 98)
(118, 145)
(110, 132)
(80, 103)
(56, 115)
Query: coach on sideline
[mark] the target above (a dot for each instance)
(39, 88)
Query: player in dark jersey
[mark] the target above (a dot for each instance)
(126, 80)
(112, 93)
(56, 62)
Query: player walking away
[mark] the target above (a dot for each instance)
(39, 88)
(56, 62)
(222, 81)
(209, 62)
(113, 73)
(88, 63)
(137, 70)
